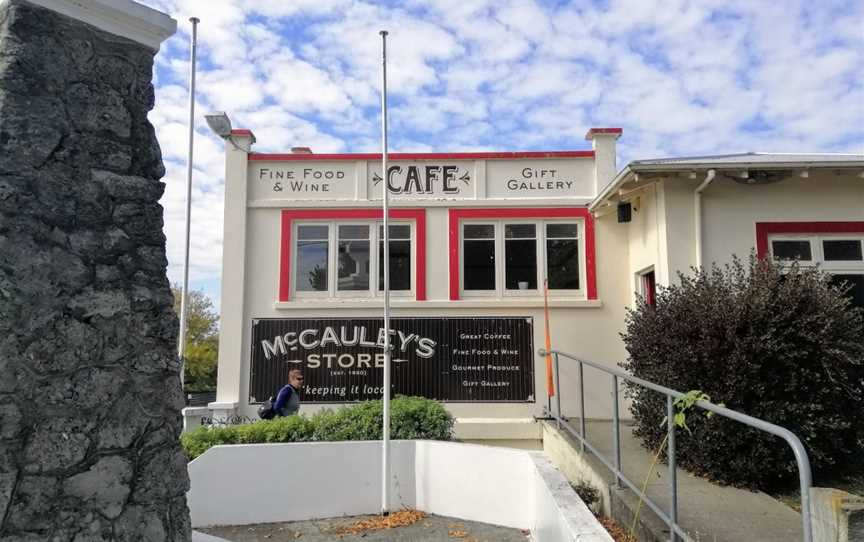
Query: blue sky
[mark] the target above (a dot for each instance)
(681, 78)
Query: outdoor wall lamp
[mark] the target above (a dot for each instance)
(219, 122)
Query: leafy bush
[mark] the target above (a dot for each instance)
(202, 340)
(589, 494)
(410, 418)
(779, 344)
(418, 418)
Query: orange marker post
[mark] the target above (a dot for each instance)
(550, 384)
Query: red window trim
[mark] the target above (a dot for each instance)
(289, 215)
(649, 286)
(553, 212)
(764, 229)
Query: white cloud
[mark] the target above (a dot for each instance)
(231, 89)
(681, 78)
(278, 130)
(281, 8)
(301, 87)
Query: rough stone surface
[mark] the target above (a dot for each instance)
(104, 487)
(89, 383)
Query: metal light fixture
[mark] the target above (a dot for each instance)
(220, 123)
(759, 176)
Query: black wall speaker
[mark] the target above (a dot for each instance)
(625, 212)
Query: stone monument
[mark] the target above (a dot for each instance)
(90, 392)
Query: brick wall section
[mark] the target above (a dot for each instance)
(90, 393)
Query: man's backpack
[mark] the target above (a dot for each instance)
(265, 411)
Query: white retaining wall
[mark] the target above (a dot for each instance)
(263, 483)
(475, 482)
(559, 514)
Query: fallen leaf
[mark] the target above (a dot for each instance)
(618, 534)
(402, 518)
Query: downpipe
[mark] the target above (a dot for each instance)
(697, 213)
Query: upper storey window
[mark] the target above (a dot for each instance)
(513, 257)
(339, 259)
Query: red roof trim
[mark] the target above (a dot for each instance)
(590, 135)
(264, 157)
(242, 132)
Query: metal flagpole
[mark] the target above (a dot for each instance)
(385, 451)
(184, 293)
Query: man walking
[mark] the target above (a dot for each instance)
(288, 398)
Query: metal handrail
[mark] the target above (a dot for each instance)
(671, 519)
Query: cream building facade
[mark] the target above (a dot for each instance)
(474, 237)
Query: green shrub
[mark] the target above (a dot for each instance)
(779, 344)
(417, 418)
(359, 422)
(410, 418)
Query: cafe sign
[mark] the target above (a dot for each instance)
(326, 180)
(443, 180)
(447, 359)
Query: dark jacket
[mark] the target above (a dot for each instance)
(287, 401)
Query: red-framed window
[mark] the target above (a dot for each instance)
(837, 247)
(522, 243)
(333, 219)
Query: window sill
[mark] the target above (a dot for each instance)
(478, 303)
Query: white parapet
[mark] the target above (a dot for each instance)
(124, 18)
(264, 483)
(267, 483)
(475, 482)
(559, 513)
(192, 417)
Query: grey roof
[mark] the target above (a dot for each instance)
(747, 160)
(755, 158)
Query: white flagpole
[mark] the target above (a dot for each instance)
(385, 452)
(184, 293)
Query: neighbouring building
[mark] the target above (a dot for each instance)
(473, 238)
(692, 212)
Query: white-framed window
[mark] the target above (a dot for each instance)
(341, 259)
(512, 257)
(838, 254)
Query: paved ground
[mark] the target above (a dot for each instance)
(431, 528)
(708, 511)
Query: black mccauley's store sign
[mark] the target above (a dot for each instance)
(448, 359)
